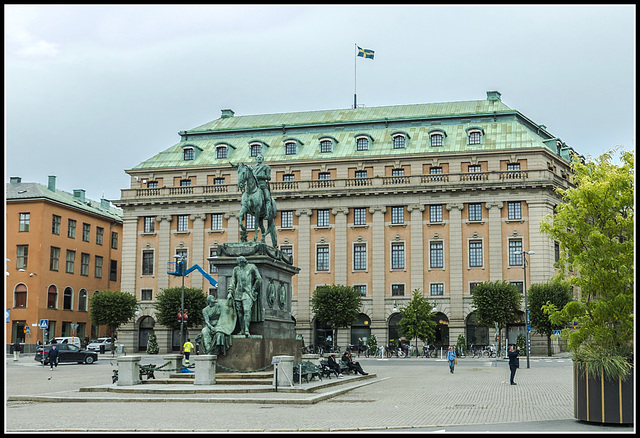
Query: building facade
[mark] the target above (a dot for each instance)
(61, 249)
(430, 197)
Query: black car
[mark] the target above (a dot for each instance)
(68, 353)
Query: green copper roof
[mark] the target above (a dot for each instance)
(503, 129)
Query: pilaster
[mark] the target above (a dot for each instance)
(341, 245)
(164, 249)
(417, 247)
(495, 240)
(456, 261)
(378, 251)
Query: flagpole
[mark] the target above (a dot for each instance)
(355, 63)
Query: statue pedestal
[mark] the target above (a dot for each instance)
(275, 335)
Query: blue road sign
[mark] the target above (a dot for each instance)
(44, 323)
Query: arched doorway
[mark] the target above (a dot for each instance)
(394, 329)
(361, 329)
(146, 328)
(442, 330)
(322, 332)
(477, 335)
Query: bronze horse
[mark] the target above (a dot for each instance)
(253, 202)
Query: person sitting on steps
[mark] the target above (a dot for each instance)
(353, 366)
(334, 365)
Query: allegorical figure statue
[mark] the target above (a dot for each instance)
(219, 323)
(244, 289)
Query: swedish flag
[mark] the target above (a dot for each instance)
(365, 53)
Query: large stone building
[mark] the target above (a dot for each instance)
(434, 197)
(61, 248)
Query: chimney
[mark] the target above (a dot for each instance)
(226, 113)
(493, 96)
(78, 194)
(52, 183)
(105, 203)
(15, 180)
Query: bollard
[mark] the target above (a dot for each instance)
(128, 370)
(205, 369)
(175, 362)
(285, 370)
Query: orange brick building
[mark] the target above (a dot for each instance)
(60, 249)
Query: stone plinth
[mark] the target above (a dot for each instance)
(205, 366)
(285, 371)
(254, 353)
(128, 370)
(176, 362)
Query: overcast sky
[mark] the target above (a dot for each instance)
(91, 91)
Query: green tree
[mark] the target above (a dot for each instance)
(152, 344)
(417, 319)
(595, 229)
(557, 293)
(168, 303)
(496, 302)
(336, 305)
(372, 344)
(112, 308)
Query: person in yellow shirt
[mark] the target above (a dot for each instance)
(187, 347)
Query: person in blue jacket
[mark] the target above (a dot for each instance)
(451, 357)
(53, 356)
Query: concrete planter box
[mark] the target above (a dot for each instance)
(602, 400)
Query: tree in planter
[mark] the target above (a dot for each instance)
(417, 319)
(152, 344)
(461, 343)
(168, 303)
(558, 293)
(112, 308)
(336, 305)
(496, 302)
(595, 229)
(372, 344)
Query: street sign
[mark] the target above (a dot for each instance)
(44, 323)
(27, 330)
(7, 314)
(556, 332)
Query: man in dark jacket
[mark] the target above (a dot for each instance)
(514, 362)
(353, 366)
(53, 356)
(334, 365)
(16, 350)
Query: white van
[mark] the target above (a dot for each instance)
(67, 340)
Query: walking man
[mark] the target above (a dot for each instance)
(53, 356)
(514, 362)
(187, 347)
(16, 350)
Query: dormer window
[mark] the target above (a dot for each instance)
(291, 146)
(474, 136)
(436, 137)
(256, 149)
(222, 152)
(327, 143)
(188, 154)
(399, 139)
(362, 144)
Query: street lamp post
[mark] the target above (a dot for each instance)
(526, 309)
(181, 260)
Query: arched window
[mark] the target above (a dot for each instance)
(52, 297)
(474, 135)
(222, 152)
(67, 299)
(362, 144)
(82, 300)
(437, 139)
(399, 142)
(20, 295)
(326, 146)
(256, 149)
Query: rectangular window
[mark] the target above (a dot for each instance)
(322, 258)
(55, 224)
(290, 148)
(474, 169)
(98, 270)
(113, 271)
(472, 286)
(475, 212)
(84, 263)
(397, 256)
(221, 152)
(256, 149)
(436, 257)
(114, 240)
(361, 175)
(435, 213)
(435, 174)
(149, 224)
(183, 223)
(437, 289)
(325, 146)
(518, 285)
(286, 219)
(397, 290)
(359, 216)
(323, 218)
(147, 262)
(213, 252)
(146, 294)
(71, 260)
(54, 258)
(397, 215)
(513, 209)
(361, 289)
(71, 232)
(287, 250)
(216, 221)
(359, 257)
(22, 256)
(86, 232)
(24, 222)
(399, 173)
(513, 170)
(99, 235)
(556, 252)
(325, 176)
(475, 254)
(515, 253)
(251, 222)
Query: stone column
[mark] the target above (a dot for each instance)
(341, 246)
(285, 371)
(495, 240)
(128, 370)
(205, 369)
(540, 265)
(303, 320)
(417, 247)
(378, 267)
(198, 256)
(164, 250)
(129, 254)
(233, 227)
(456, 262)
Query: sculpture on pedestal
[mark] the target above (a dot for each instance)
(244, 289)
(219, 323)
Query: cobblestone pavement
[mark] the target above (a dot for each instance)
(413, 395)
